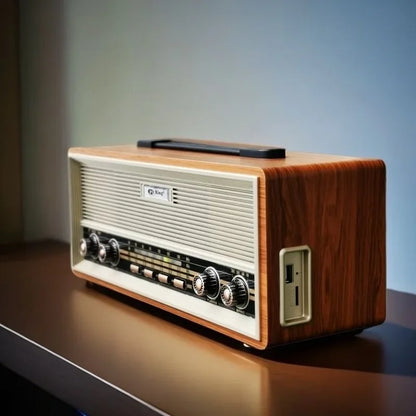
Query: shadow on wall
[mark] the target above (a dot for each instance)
(44, 119)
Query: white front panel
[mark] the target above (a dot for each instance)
(208, 214)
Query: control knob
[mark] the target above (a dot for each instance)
(235, 293)
(89, 246)
(207, 283)
(109, 252)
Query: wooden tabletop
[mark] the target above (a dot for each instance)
(107, 354)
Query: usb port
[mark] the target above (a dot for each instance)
(295, 285)
(289, 273)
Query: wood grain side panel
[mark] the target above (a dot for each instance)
(339, 211)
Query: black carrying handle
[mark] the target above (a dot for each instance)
(259, 152)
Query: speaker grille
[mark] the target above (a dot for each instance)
(206, 211)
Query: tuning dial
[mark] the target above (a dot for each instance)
(109, 252)
(235, 293)
(89, 246)
(207, 283)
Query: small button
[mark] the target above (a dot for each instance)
(134, 268)
(180, 284)
(163, 278)
(148, 273)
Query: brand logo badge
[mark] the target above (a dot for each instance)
(156, 192)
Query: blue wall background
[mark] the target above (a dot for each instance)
(321, 76)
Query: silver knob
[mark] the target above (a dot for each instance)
(207, 283)
(235, 293)
(89, 246)
(109, 252)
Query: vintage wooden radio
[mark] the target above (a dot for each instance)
(266, 246)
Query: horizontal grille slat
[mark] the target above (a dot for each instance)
(207, 212)
(137, 203)
(95, 214)
(231, 195)
(108, 189)
(224, 222)
(166, 180)
(219, 245)
(231, 200)
(244, 210)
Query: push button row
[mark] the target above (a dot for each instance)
(161, 277)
